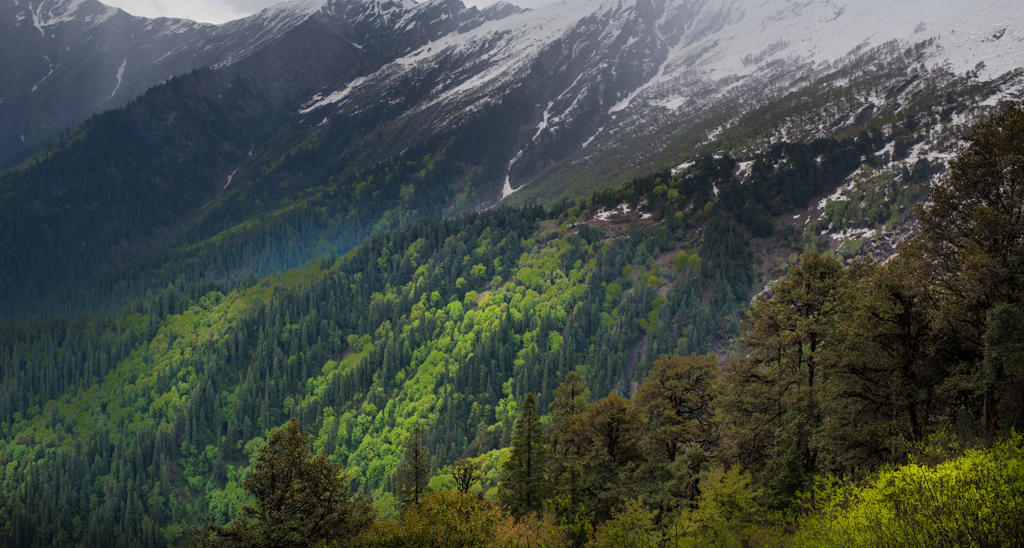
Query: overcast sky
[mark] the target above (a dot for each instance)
(219, 11)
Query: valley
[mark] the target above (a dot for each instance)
(767, 251)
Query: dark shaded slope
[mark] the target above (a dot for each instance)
(100, 194)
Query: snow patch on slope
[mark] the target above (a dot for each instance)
(52, 68)
(506, 47)
(749, 38)
(269, 24)
(120, 75)
(319, 100)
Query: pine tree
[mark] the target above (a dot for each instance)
(770, 402)
(413, 471)
(568, 444)
(523, 482)
(677, 397)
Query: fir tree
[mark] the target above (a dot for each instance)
(523, 482)
(413, 471)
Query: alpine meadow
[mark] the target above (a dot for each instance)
(599, 273)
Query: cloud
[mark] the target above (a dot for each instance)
(210, 11)
(249, 6)
(221, 11)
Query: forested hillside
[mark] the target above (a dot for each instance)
(128, 428)
(148, 419)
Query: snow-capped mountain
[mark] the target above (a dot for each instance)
(350, 116)
(64, 60)
(605, 71)
(605, 76)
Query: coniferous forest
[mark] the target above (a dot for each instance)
(543, 376)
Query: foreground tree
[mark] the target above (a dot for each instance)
(769, 409)
(971, 237)
(300, 500)
(882, 382)
(726, 514)
(442, 520)
(633, 526)
(676, 396)
(447, 519)
(676, 402)
(613, 433)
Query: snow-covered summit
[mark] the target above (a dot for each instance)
(607, 72)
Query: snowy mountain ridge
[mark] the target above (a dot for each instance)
(638, 66)
(67, 59)
(375, 112)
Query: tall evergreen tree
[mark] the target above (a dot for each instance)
(413, 471)
(970, 236)
(676, 397)
(770, 399)
(524, 479)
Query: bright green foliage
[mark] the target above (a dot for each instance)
(632, 526)
(680, 260)
(727, 512)
(299, 500)
(126, 429)
(524, 478)
(174, 396)
(975, 500)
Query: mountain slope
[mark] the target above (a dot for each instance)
(760, 133)
(604, 75)
(359, 115)
(65, 60)
(189, 135)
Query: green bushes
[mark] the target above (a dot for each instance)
(975, 500)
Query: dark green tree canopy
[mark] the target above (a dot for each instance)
(524, 480)
(413, 471)
(677, 398)
(970, 242)
(301, 500)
